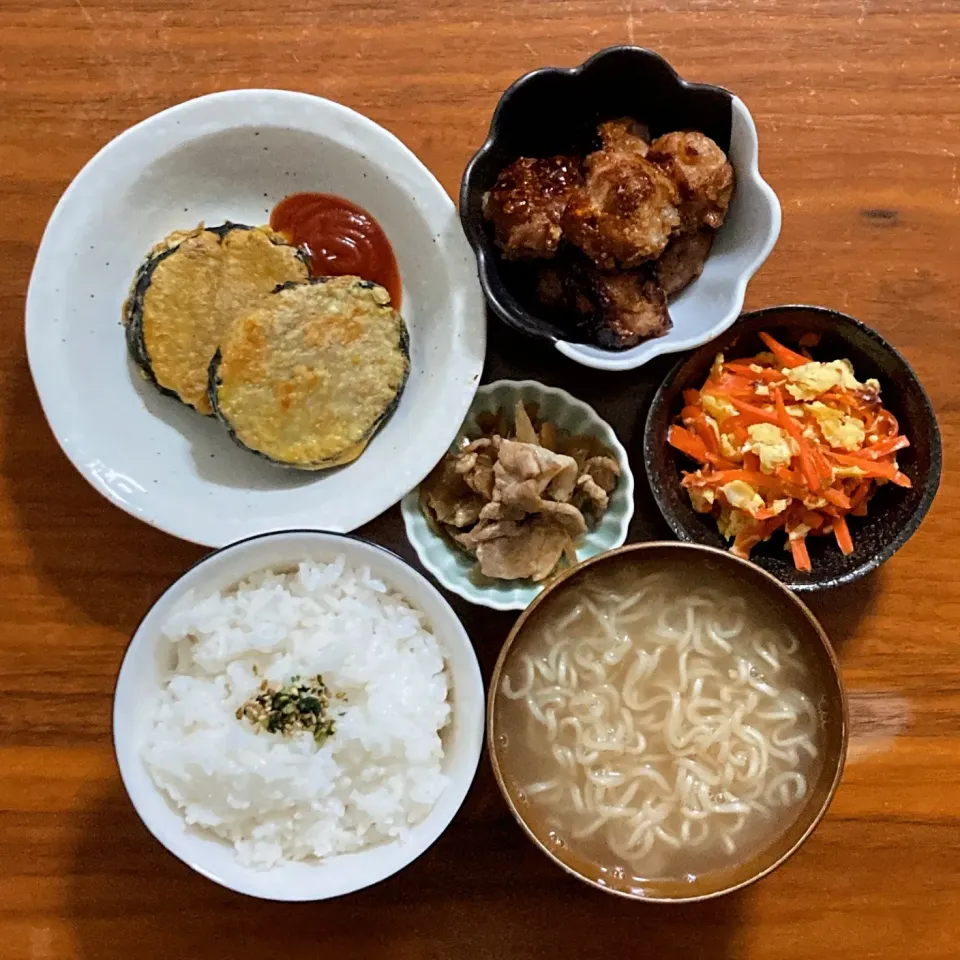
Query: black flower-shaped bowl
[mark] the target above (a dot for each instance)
(555, 110)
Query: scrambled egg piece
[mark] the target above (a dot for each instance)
(771, 444)
(729, 449)
(841, 431)
(809, 380)
(741, 496)
(717, 407)
(702, 500)
(730, 523)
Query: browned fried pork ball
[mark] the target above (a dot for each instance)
(701, 171)
(625, 211)
(527, 202)
(625, 134)
(682, 262)
(617, 310)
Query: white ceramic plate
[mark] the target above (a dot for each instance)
(452, 567)
(146, 668)
(233, 156)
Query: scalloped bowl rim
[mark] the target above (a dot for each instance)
(413, 519)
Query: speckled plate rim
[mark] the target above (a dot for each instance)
(418, 530)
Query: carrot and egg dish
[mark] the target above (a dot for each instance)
(785, 442)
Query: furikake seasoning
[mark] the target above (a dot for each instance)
(296, 707)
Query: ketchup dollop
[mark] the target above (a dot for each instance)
(341, 237)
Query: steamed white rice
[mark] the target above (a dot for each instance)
(280, 798)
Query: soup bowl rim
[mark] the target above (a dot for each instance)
(788, 598)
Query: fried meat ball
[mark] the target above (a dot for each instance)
(617, 310)
(626, 209)
(702, 173)
(527, 202)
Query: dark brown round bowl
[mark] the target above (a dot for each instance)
(794, 615)
(894, 514)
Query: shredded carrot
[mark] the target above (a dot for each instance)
(705, 432)
(752, 414)
(842, 533)
(837, 497)
(885, 447)
(875, 469)
(801, 558)
(823, 468)
(812, 519)
(786, 356)
(686, 442)
(793, 429)
(803, 495)
(723, 477)
(860, 494)
(746, 540)
(764, 373)
(885, 424)
(790, 476)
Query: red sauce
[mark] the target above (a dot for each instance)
(341, 237)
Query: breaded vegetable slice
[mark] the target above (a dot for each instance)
(189, 291)
(307, 377)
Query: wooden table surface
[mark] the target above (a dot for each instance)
(858, 109)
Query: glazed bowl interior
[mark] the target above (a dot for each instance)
(704, 563)
(555, 110)
(894, 513)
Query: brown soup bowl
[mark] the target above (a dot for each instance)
(703, 563)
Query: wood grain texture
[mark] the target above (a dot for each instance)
(858, 108)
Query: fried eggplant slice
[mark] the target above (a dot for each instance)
(188, 292)
(307, 377)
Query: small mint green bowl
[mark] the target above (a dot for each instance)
(452, 567)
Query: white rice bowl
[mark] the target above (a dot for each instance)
(280, 797)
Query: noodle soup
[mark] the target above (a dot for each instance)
(658, 723)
